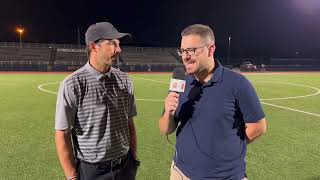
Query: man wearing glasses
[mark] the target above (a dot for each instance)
(216, 116)
(95, 134)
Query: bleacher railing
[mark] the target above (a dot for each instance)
(41, 45)
(148, 50)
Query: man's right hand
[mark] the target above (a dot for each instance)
(65, 152)
(166, 124)
(171, 102)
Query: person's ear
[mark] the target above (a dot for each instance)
(93, 46)
(212, 49)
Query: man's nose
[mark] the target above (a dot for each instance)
(185, 56)
(117, 49)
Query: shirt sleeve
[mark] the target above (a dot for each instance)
(132, 109)
(65, 108)
(249, 103)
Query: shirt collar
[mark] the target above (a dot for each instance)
(98, 75)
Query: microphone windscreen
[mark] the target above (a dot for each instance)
(179, 73)
(178, 82)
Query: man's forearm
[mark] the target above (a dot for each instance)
(166, 124)
(133, 138)
(255, 130)
(65, 153)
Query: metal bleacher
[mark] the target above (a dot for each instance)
(25, 58)
(59, 57)
(25, 54)
(71, 56)
(147, 55)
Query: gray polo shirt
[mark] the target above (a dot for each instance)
(98, 107)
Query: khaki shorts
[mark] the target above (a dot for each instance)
(176, 174)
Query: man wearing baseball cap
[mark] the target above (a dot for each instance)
(95, 134)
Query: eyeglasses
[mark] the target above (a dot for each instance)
(189, 51)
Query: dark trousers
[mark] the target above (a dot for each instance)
(127, 172)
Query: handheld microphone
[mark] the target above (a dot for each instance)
(177, 82)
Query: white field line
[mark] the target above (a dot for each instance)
(40, 87)
(290, 109)
(152, 80)
(146, 79)
(291, 97)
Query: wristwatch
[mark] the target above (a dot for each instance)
(72, 178)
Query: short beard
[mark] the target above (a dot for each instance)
(115, 56)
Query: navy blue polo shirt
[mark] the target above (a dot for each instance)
(211, 140)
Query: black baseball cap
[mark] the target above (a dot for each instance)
(103, 30)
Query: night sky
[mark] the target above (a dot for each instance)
(268, 28)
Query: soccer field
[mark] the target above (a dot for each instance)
(289, 150)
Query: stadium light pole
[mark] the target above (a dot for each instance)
(229, 49)
(20, 31)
